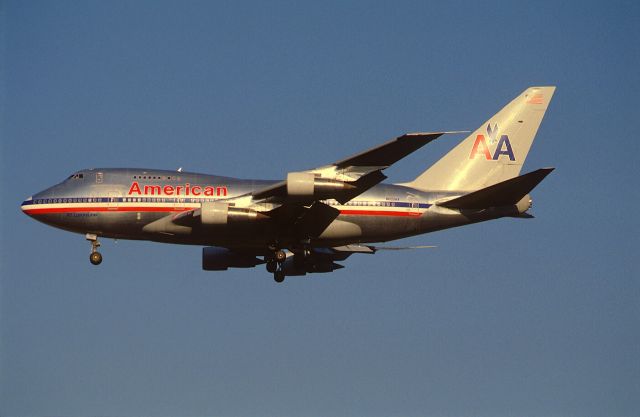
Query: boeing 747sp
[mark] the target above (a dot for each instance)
(312, 219)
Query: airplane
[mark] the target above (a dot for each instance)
(312, 219)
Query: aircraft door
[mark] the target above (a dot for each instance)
(113, 198)
(414, 205)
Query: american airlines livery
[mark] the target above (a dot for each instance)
(312, 219)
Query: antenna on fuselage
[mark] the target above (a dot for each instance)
(180, 169)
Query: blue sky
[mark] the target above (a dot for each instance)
(511, 317)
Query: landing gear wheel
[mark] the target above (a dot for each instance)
(278, 276)
(280, 256)
(272, 266)
(95, 258)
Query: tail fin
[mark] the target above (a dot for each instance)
(493, 153)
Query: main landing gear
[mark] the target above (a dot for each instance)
(275, 265)
(95, 257)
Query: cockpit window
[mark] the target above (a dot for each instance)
(77, 176)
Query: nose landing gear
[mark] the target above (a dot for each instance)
(95, 257)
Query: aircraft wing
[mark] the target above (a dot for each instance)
(347, 178)
(390, 152)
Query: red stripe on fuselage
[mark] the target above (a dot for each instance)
(104, 209)
(165, 209)
(380, 213)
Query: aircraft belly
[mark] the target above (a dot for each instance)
(346, 229)
(340, 229)
(73, 222)
(432, 221)
(116, 224)
(354, 228)
(439, 218)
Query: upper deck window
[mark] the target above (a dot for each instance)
(153, 177)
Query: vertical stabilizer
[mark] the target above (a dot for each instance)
(493, 153)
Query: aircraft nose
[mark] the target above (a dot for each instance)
(26, 205)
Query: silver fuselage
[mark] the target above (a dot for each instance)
(129, 203)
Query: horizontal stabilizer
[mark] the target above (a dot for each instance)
(505, 193)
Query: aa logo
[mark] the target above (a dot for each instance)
(481, 147)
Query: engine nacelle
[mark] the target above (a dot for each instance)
(220, 213)
(214, 213)
(306, 185)
(221, 259)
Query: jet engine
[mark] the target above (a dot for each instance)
(220, 213)
(221, 259)
(305, 185)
